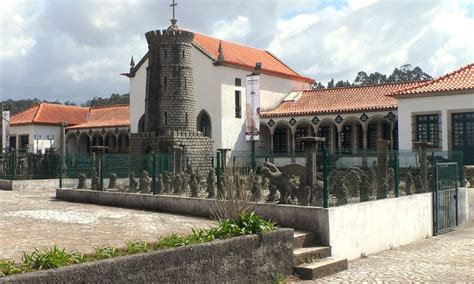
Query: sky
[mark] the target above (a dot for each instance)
(74, 50)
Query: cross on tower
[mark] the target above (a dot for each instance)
(173, 6)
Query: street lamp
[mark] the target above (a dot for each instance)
(37, 137)
(50, 138)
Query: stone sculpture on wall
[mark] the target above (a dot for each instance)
(365, 188)
(113, 181)
(166, 183)
(193, 184)
(144, 183)
(278, 179)
(95, 181)
(132, 183)
(82, 181)
(211, 184)
(408, 183)
(340, 191)
(159, 184)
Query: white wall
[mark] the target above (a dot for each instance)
(137, 96)
(432, 104)
(214, 87)
(34, 129)
(375, 226)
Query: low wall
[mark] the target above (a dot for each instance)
(28, 184)
(374, 226)
(243, 259)
(314, 219)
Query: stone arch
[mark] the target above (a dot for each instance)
(72, 144)
(377, 127)
(327, 128)
(303, 122)
(123, 142)
(301, 129)
(204, 123)
(280, 123)
(351, 135)
(97, 139)
(282, 137)
(141, 124)
(264, 142)
(84, 143)
(110, 141)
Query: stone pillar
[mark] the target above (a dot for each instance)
(364, 141)
(392, 144)
(223, 156)
(311, 148)
(339, 141)
(293, 148)
(355, 141)
(272, 147)
(177, 159)
(422, 148)
(382, 167)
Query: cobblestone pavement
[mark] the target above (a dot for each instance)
(444, 258)
(32, 219)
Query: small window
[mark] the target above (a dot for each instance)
(427, 128)
(24, 142)
(166, 53)
(185, 82)
(166, 118)
(166, 82)
(13, 142)
(186, 114)
(238, 106)
(238, 82)
(182, 52)
(300, 132)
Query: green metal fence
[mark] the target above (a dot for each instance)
(23, 165)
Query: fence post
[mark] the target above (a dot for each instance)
(396, 166)
(153, 174)
(434, 190)
(325, 178)
(218, 169)
(101, 173)
(60, 171)
(14, 163)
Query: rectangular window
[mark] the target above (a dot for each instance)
(238, 82)
(13, 142)
(427, 128)
(24, 142)
(238, 106)
(325, 131)
(280, 140)
(300, 132)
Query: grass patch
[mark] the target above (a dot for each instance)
(244, 224)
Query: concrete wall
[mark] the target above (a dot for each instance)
(314, 219)
(244, 259)
(466, 205)
(374, 226)
(29, 184)
(443, 105)
(32, 130)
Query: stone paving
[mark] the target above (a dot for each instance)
(444, 258)
(32, 219)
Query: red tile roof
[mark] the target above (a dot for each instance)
(344, 99)
(107, 116)
(245, 57)
(47, 113)
(459, 80)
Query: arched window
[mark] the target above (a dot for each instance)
(204, 123)
(141, 124)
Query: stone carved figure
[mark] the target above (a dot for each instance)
(220, 185)
(132, 183)
(303, 195)
(372, 180)
(144, 183)
(418, 184)
(82, 181)
(211, 184)
(166, 183)
(113, 180)
(185, 183)
(408, 183)
(280, 180)
(264, 185)
(365, 188)
(391, 180)
(193, 184)
(95, 181)
(382, 189)
(177, 184)
(318, 193)
(159, 184)
(340, 191)
(273, 194)
(256, 190)
(354, 181)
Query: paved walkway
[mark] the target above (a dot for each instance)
(34, 219)
(444, 258)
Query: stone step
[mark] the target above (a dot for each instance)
(303, 239)
(320, 268)
(309, 254)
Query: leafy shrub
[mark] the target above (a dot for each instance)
(106, 252)
(50, 258)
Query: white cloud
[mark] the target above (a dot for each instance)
(234, 29)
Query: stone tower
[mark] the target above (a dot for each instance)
(170, 115)
(170, 102)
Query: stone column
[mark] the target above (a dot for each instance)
(311, 148)
(293, 148)
(177, 159)
(223, 156)
(364, 141)
(339, 141)
(422, 148)
(272, 147)
(355, 141)
(382, 167)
